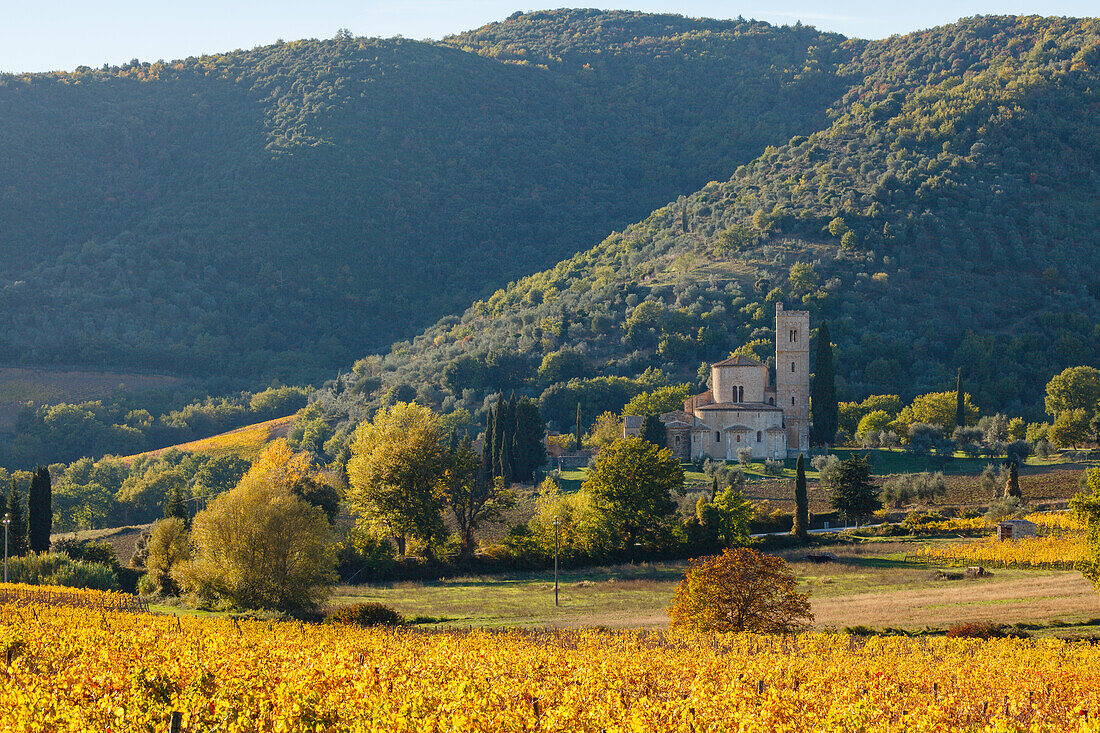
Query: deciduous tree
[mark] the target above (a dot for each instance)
(631, 487)
(260, 546)
(737, 591)
(396, 462)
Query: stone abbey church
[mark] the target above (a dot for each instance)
(744, 408)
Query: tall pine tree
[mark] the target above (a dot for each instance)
(17, 528)
(40, 510)
(823, 404)
(801, 528)
(960, 401)
(175, 506)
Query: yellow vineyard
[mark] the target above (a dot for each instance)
(13, 595)
(77, 670)
(1061, 544)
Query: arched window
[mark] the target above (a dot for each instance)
(759, 436)
(717, 437)
(771, 401)
(741, 394)
(738, 438)
(792, 366)
(792, 400)
(794, 335)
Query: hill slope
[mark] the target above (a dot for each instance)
(273, 213)
(948, 211)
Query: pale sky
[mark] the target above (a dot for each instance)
(45, 35)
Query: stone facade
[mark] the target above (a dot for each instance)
(792, 375)
(743, 409)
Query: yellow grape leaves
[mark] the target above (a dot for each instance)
(80, 669)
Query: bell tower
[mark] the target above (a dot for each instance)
(792, 376)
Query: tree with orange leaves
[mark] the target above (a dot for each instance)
(740, 590)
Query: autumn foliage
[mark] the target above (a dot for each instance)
(740, 590)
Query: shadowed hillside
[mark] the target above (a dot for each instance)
(272, 214)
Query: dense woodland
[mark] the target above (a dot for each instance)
(945, 217)
(271, 215)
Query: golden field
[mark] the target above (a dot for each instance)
(77, 669)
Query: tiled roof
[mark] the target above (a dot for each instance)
(738, 360)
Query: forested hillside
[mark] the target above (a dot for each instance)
(944, 217)
(272, 214)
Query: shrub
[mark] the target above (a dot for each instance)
(49, 568)
(978, 630)
(366, 614)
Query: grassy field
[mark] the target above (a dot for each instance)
(870, 585)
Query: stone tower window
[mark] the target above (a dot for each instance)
(717, 437)
(792, 400)
(792, 367)
(740, 394)
(794, 335)
(759, 436)
(771, 401)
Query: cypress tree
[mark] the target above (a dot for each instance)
(653, 430)
(528, 451)
(498, 436)
(1012, 486)
(801, 528)
(508, 437)
(960, 405)
(40, 511)
(713, 489)
(578, 432)
(823, 390)
(488, 452)
(17, 528)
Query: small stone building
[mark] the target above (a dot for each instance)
(1015, 529)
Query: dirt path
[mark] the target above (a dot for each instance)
(1034, 597)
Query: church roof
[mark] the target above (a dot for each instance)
(740, 406)
(678, 424)
(677, 416)
(739, 429)
(738, 360)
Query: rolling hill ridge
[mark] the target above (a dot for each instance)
(944, 217)
(269, 215)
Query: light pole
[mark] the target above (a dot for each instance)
(7, 521)
(557, 524)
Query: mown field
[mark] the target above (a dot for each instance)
(873, 584)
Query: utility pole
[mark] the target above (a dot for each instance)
(557, 524)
